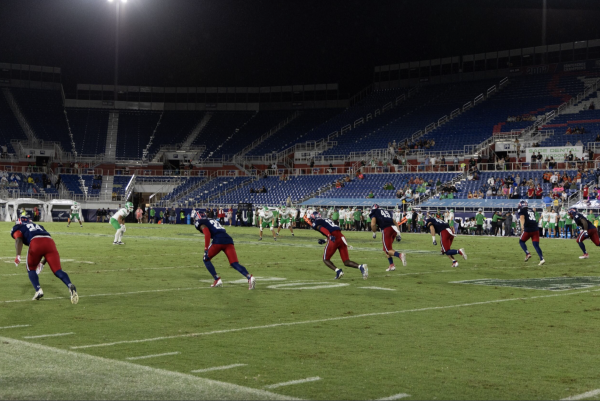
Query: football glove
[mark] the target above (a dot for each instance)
(17, 260)
(321, 241)
(374, 235)
(332, 238)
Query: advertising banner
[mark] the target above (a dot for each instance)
(557, 152)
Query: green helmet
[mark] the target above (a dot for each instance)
(74, 203)
(451, 210)
(266, 209)
(129, 206)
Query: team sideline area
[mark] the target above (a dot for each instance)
(148, 325)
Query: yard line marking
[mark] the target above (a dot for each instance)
(138, 379)
(583, 396)
(49, 335)
(134, 358)
(16, 326)
(115, 294)
(394, 397)
(235, 365)
(378, 288)
(307, 380)
(332, 319)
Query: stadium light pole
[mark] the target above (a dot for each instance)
(117, 44)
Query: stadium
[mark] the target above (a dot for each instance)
(134, 132)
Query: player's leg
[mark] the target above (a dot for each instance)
(208, 255)
(343, 250)
(69, 221)
(260, 230)
(593, 234)
(79, 220)
(446, 239)
(53, 259)
(272, 228)
(34, 256)
(229, 251)
(522, 243)
(580, 238)
(115, 224)
(290, 226)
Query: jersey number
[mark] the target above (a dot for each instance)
(331, 223)
(33, 227)
(216, 224)
(385, 214)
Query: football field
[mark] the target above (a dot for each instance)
(148, 325)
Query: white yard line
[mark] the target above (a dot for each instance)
(583, 396)
(269, 326)
(49, 335)
(394, 397)
(235, 365)
(307, 380)
(115, 294)
(378, 288)
(135, 358)
(119, 379)
(16, 326)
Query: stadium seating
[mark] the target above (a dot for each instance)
(212, 188)
(296, 131)
(587, 119)
(277, 191)
(120, 184)
(44, 111)
(89, 181)
(174, 128)
(72, 183)
(183, 187)
(359, 189)
(220, 128)
(88, 127)
(135, 129)
(9, 126)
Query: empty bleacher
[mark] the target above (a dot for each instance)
(88, 127)
(174, 128)
(220, 129)
(135, 130)
(9, 126)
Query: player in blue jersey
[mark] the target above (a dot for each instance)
(435, 225)
(335, 241)
(221, 241)
(42, 249)
(529, 228)
(588, 231)
(389, 231)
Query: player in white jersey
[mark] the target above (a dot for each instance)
(75, 214)
(366, 220)
(561, 222)
(118, 222)
(545, 221)
(285, 216)
(266, 221)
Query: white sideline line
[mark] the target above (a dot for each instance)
(583, 396)
(134, 358)
(85, 361)
(50, 335)
(307, 380)
(394, 397)
(16, 326)
(235, 365)
(378, 288)
(268, 326)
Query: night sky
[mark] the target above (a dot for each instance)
(265, 42)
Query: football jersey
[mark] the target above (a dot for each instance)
(531, 224)
(552, 218)
(217, 232)
(121, 212)
(562, 215)
(438, 225)
(266, 215)
(327, 224)
(397, 216)
(383, 218)
(450, 217)
(546, 216)
(29, 231)
(75, 209)
(579, 218)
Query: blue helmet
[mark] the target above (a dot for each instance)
(375, 206)
(572, 211)
(23, 220)
(200, 215)
(315, 216)
(523, 203)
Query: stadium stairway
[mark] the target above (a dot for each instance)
(12, 103)
(196, 131)
(112, 133)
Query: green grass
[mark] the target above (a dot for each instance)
(429, 337)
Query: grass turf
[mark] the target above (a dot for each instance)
(417, 332)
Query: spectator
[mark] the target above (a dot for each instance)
(538, 192)
(370, 195)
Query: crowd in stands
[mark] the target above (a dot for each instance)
(526, 117)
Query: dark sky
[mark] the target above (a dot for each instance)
(267, 42)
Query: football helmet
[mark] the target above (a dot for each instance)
(523, 203)
(572, 212)
(315, 216)
(23, 220)
(375, 206)
(129, 206)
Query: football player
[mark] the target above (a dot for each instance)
(588, 231)
(221, 241)
(438, 226)
(335, 241)
(389, 232)
(75, 213)
(42, 249)
(266, 221)
(285, 216)
(529, 229)
(118, 222)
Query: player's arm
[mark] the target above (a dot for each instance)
(18, 236)
(207, 237)
(374, 224)
(432, 231)
(522, 221)
(584, 224)
(120, 220)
